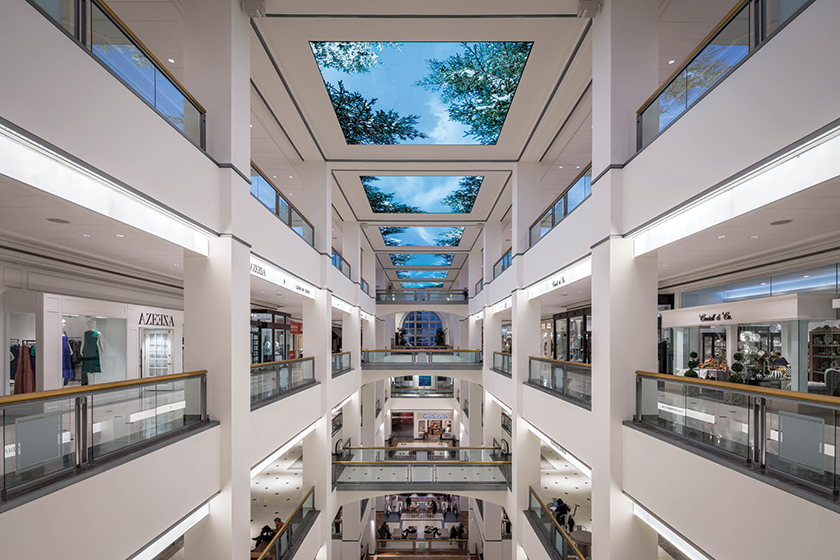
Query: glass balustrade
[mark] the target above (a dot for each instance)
(271, 380)
(270, 196)
(569, 200)
(793, 435)
(341, 363)
(437, 296)
(542, 517)
(502, 363)
(341, 264)
(293, 531)
(570, 380)
(507, 424)
(422, 358)
(52, 434)
(502, 264)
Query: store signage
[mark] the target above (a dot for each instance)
(262, 269)
(435, 416)
(341, 305)
(713, 318)
(506, 303)
(365, 315)
(295, 328)
(562, 278)
(156, 320)
(478, 316)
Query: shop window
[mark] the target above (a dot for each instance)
(820, 279)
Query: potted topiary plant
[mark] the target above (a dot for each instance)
(440, 338)
(692, 363)
(735, 377)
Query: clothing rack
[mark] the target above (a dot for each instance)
(14, 341)
(27, 342)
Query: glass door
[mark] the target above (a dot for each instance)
(561, 340)
(576, 339)
(156, 353)
(279, 345)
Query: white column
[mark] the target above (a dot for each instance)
(351, 340)
(317, 207)
(351, 248)
(368, 397)
(369, 331)
(492, 249)
(217, 319)
(475, 263)
(526, 205)
(623, 300)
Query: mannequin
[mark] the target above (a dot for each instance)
(66, 354)
(92, 349)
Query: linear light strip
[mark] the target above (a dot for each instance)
(270, 273)
(160, 544)
(286, 447)
(580, 465)
(340, 405)
(32, 164)
(505, 407)
(668, 534)
(572, 273)
(506, 303)
(809, 165)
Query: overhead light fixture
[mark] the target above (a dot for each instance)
(667, 533)
(505, 407)
(286, 447)
(252, 126)
(85, 235)
(274, 176)
(671, 61)
(812, 162)
(753, 237)
(340, 405)
(721, 236)
(807, 276)
(664, 265)
(780, 222)
(42, 168)
(171, 61)
(120, 235)
(561, 167)
(176, 264)
(579, 465)
(290, 177)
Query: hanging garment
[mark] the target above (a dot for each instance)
(90, 355)
(25, 375)
(13, 363)
(66, 360)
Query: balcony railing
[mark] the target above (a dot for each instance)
(51, 435)
(502, 264)
(502, 363)
(507, 424)
(377, 408)
(786, 434)
(479, 286)
(380, 467)
(339, 262)
(118, 48)
(272, 380)
(341, 363)
(283, 545)
(571, 381)
(465, 406)
(542, 520)
(421, 393)
(579, 190)
(746, 27)
(337, 422)
(437, 296)
(423, 544)
(270, 196)
(421, 359)
(365, 286)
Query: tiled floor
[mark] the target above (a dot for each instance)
(276, 491)
(562, 480)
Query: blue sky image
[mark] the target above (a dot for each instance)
(425, 192)
(422, 284)
(426, 259)
(438, 274)
(420, 236)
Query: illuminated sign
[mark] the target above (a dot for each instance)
(269, 273)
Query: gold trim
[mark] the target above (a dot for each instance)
(549, 360)
(693, 53)
(559, 196)
(285, 525)
(556, 524)
(408, 463)
(743, 388)
(149, 53)
(421, 540)
(407, 351)
(502, 353)
(265, 364)
(341, 353)
(57, 393)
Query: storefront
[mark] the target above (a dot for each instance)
(546, 338)
(426, 424)
(573, 336)
(79, 341)
(271, 339)
(787, 341)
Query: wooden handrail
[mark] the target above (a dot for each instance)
(341, 353)
(425, 540)
(437, 291)
(412, 350)
(743, 388)
(549, 360)
(147, 52)
(404, 463)
(426, 448)
(556, 523)
(265, 364)
(502, 353)
(562, 193)
(69, 391)
(285, 526)
(693, 53)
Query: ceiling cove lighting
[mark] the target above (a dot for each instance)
(341, 305)
(479, 316)
(262, 465)
(161, 543)
(502, 305)
(269, 272)
(572, 273)
(667, 533)
(32, 164)
(340, 405)
(810, 164)
(365, 315)
(505, 407)
(579, 465)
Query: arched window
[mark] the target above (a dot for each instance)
(420, 328)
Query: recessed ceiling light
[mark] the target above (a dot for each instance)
(120, 235)
(807, 276)
(176, 264)
(171, 61)
(252, 126)
(561, 167)
(290, 177)
(85, 235)
(578, 167)
(780, 222)
(671, 61)
(664, 265)
(274, 176)
(753, 237)
(58, 221)
(764, 283)
(721, 236)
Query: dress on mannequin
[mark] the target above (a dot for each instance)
(90, 352)
(66, 359)
(25, 375)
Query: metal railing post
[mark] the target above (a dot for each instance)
(203, 397)
(639, 399)
(757, 444)
(763, 430)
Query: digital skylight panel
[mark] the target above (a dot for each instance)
(419, 92)
(421, 284)
(436, 274)
(399, 194)
(422, 259)
(418, 236)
